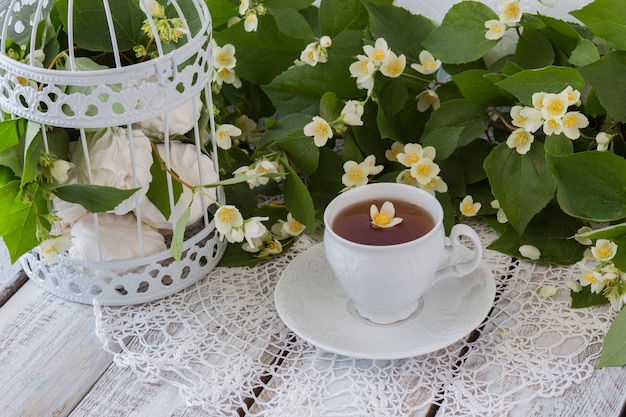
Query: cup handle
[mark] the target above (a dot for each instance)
(458, 260)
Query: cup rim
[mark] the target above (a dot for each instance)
(437, 217)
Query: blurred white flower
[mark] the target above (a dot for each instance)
(50, 248)
(326, 41)
(111, 164)
(583, 240)
(396, 149)
(436, 184)
(224, 134)
(60, 169)
(251, 22)
(118, 238)
(185, 163)
(179, 120)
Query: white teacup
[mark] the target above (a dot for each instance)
(385, 282)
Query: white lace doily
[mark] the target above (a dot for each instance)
(223, 345)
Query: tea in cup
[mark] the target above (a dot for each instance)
(386, 245)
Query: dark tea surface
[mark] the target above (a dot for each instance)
(353, 223)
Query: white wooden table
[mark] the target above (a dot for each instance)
(53, 364)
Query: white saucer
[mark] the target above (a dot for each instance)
(313, 305)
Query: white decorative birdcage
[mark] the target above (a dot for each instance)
(110, 90)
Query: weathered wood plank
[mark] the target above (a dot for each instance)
(49, 354)
(11, 276)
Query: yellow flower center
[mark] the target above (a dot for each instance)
(521, 120)
(412, 158)
(431, 185)
(521, 138)
(263, 170)
(604, 252)
(51, 249)
(571, 96)
(364, 67)
(222, 58)
(569, 121)
(321, 129)
(429, 64)
(355, 174)
(378, 54)
(423, 170)
(394, 68)
(590, 277)
(381, 219)
(295, 226)
(468, 208)
(223, 134)
(496, 28)
(431, 98)
(555, 107)
(553, 124)
(512, 10)
(227, 215)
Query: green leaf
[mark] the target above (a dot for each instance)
(471, 157)
(475, 86)
(90, 27)
(514, 177)
(445, 140)
(393, 97)
(300, 88)
(591, 185)
(560, 33)
(158, 190)
(586, 298)
(176, 248)
(287, 127)
(550, 232)
(585, 53)
(283, 4)
(549, 80)
(461, 36)
(94, 198)
(605, 18)
(471, 117)
(325, 183)
(606, 79)
(33, 146)
(339, 15)
(614, 346)
(9, 133)
(302, 152)
(263, 54)
(610, 232)
(559, 145)
(18, 224)
(298, 200)
(534, 50)
(292, 24)
(330, 106)
(384, 22)
(221, 11)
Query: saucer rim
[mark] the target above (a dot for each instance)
(486, 300)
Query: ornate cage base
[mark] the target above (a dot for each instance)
(131, 281)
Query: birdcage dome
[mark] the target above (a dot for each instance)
(123, 60)
(125, 86)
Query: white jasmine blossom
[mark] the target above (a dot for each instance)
(60, 170)
(554, 106)
(528, 118)
(428, 64)
(495, 29)
(583, 240)
(604, 250)
(393, 65)
(363, 70)
(51, 247)
(224, 134)
(553, 126)
(520, 140)
(572, 122)
(229, 222)
(378, 52)
(396, 149)
(251, 22)
(371, 163)
(468, 208)
(352, 112)
(510, 11)
(424, 170)
(326, 41)
(436, 184)
(572, 96)
(427, 99)
(405, 177)
(355, 174)
(385, 217)
(319, 130)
